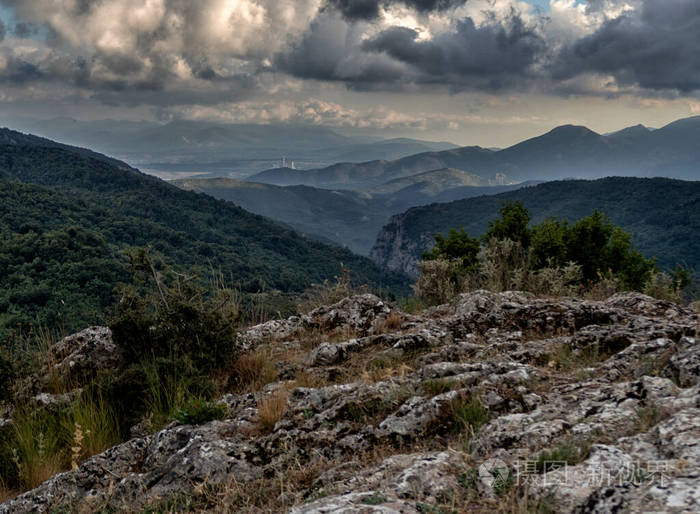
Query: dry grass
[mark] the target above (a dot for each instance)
(606, 286)
(381, 370)
(310, 338)
(370, 367)
(271, 408)
(291, 485)
(305, 379)
(391, 323)
(6, 493)
(94, 427)
(250, 372)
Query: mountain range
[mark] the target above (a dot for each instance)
(565, 152)
(348, 218)
(222, 149)
(662, 216)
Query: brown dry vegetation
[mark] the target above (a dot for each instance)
(248, 373)
(271, 408)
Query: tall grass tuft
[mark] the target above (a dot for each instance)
(38, 453)
(93, 424)
(271, 408)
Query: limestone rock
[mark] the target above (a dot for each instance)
(615, 380)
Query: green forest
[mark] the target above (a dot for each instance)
(662, 216)
(68, 216)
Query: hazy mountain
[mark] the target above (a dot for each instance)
(349, 218)
(223, 149)
(375, 173)
(431, 183)
(345, 217)
(67, 215)
(663, 216)
(565, 152)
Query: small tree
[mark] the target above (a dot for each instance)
(513, 224)
(457, 246)
(599, 246)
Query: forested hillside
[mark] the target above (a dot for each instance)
(67, 215)
(348, 218)
(662, 215)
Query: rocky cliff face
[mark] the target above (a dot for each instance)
(496, 403)
(397, 251)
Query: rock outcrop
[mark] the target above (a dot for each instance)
(73, 360)
(494, 402)
(398, 250)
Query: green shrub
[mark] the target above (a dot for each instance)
(175, 318)
(551, 258)
(174, 335)
(375, 499)
(440, 280)
(663, 286)
(513, 225)
(198, 411)
(457, 246)
(503, 266)
(568, 453)
(438, 386)
(468, 414)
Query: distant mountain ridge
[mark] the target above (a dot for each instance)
(349, 218)
(222, 149)
(662, 215)
(567, 151)
(432, 182)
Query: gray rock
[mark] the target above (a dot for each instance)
(73, 361)
(630, 389)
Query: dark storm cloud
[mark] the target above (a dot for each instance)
(491, 56)
(487, 56)
(656, 47)
(2, 30)
(369, 9)
(20, 72)
(331, 51)
(24, 30)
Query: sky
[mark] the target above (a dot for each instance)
(486, 72)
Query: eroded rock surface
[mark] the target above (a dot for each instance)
(587, 406)
(72, 360)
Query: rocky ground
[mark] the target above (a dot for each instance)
(495, 403)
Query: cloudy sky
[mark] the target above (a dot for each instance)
(488, 72)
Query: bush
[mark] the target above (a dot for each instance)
(552, 258)
(198, 411)
(501, 263)
(513, 225)
(175, 318)
(457, 246)
(440, 280)
(662, 287)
